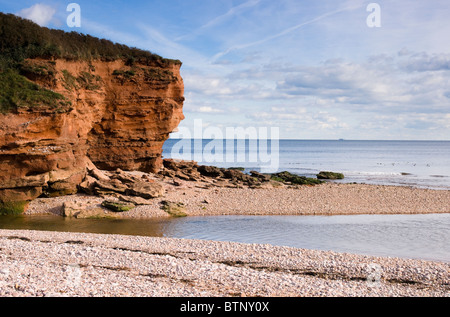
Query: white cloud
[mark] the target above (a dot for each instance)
(404, 83)
(207, 109)
(423, 62)
(39, 13)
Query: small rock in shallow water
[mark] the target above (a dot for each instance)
(117, 206)
(330, 175)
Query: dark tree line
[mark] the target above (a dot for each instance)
(21, 39)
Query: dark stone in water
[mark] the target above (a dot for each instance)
(286, 177)
(117, 206)
(330, 175)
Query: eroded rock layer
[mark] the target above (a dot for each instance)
(116, 114)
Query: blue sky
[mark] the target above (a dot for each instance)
(312, 68)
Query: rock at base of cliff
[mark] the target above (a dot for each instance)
(14, 201)
(13, 208)
(146, 190)
(83, 210)
(64, 182)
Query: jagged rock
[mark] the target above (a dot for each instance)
(188, 175)
(146, 190)
(176, 165)
(112, 186)
(233, 174)
(88, 185)
(124, 177)
(182, 175)
(260, 176)
(237, 175)
(167, 173)
(210, 171)
(170, 164)
(184, 170)
(68, 185)
(99, 175)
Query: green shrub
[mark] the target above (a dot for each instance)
(70, 81)
(18, 92)
(124, 73)
(89, 81)
(21, 39)
(157, 74)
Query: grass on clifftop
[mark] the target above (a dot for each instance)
(18, 92)
(21, 39)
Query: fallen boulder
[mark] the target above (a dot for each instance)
(146, 190)
(173, 208)
(83, 210)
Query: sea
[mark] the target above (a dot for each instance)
(423, 164)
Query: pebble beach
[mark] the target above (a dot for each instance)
(49, 264)
(38, 263)
(326, 199)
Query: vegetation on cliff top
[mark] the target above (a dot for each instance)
(21, 39)
(16, 92)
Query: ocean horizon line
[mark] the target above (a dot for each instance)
(351, 140)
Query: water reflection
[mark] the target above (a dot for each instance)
(409, 236)
(154, 228)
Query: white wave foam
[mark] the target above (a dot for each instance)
(353, 173)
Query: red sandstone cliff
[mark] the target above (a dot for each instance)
(119, 116)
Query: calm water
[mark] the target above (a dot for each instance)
(412, 163)
(408, 236)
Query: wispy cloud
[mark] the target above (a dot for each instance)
(158, 42)
(283, 32)
(108, 32)
(220, 19)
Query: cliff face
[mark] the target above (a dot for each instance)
(115, 114)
